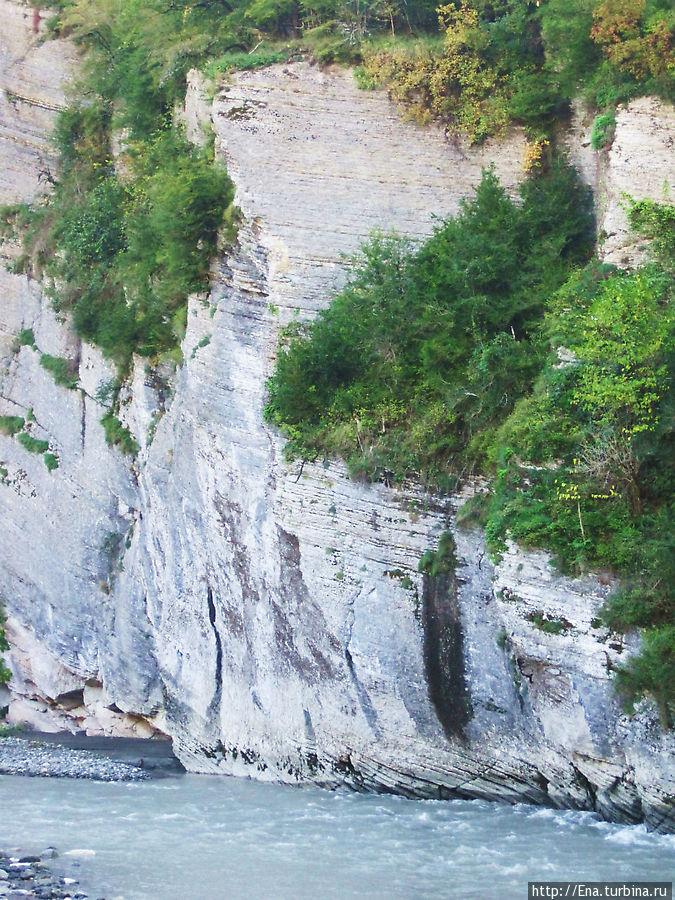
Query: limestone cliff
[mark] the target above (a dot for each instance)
(56, 565)
(270, 617)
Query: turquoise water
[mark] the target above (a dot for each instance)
(209, 838)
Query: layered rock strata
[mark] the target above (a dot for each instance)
(61, 529)
(34, 73)
(270, 616)
(639, 165)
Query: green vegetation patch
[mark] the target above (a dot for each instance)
(548, 624)
(33, 445)
(602, 133)
(127, 254)
(118, 435)
(499, 63)
(204, 342)
(243, 61)
(63, 371)
(51, 461)
(11, 425)
(496, 348)
(123, 241)
(443, 560)
(652, 672)
(26, 338)
(427, 349)
(586, 465)
(5, 674)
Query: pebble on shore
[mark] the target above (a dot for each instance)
(19, 756)
(27, 877)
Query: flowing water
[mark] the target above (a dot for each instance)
(210, 838)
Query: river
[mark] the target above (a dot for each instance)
(209, 838)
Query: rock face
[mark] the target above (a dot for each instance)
(640, 164)
(33, 77)
(61, 528)
(270, 617)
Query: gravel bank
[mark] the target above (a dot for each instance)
(29, 756)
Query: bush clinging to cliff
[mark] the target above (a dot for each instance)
(127, 235)
(427, 349)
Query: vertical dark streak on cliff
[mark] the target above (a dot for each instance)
(83, 424)
(214, 705)
(444, 654)
(365, 703)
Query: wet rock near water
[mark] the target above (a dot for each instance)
(19, 756)
(30, 877)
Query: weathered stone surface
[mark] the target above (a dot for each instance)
(34, 72)
(640, 165)
(56, 574)
(319, 165)
(270, 617)
(64, 530)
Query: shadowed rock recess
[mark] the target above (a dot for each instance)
(269, 617)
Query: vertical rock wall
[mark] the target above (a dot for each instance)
(62, 530)
(270, 616)
(288, 599)
(34, 74)
(639, 165)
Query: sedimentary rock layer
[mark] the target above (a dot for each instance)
(34, 73)
(61, 528)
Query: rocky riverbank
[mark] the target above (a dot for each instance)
(70, 756)
(24, 877)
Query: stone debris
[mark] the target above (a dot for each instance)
(19, 756)
(26, 877)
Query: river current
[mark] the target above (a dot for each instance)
(209, 838)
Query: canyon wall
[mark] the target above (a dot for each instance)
(269, 617)
(58, 527)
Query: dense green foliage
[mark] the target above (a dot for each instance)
(124, 254)
(477, 64)
(602, 133)
(11, 425)
(492, 348)
(427, 349)
(586, 467)
(26, 338)
(51, 461)
(513, 60)
(127, 235)
(32, 444)
(118, 435)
